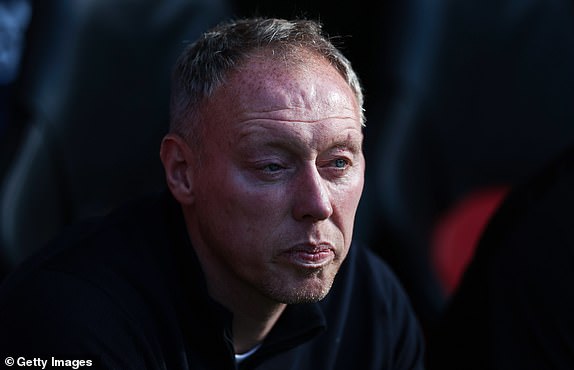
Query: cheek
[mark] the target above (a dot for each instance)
(251, 207)
(354, 195)
(346, 199)
(251, 223)
(257, 207)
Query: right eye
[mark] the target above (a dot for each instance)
(272, 167)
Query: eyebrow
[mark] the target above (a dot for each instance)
(347, 139)
(288, 143)
(349, 143)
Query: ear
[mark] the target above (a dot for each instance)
(177, 158)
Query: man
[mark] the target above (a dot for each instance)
(247, 263)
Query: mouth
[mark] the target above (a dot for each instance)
(312, 256)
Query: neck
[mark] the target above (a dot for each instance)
(250, 329)
(253, 315)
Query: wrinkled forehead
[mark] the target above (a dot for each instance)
(266, 82)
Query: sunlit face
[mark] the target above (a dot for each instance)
(280, 179)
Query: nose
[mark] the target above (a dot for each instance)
(312, 200)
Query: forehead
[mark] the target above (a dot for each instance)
(304, 87)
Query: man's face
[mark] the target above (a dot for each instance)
(279, 182)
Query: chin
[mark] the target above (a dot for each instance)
(306, 292)
(307, 297)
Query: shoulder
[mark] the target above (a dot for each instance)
(54, 313)
(91, 286)
(368, 295)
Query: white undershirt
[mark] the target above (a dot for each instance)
(240, 357)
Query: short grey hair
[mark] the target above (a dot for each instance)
(205, 64)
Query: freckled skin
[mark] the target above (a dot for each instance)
(281, 168)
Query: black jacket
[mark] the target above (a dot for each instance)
(127, 292)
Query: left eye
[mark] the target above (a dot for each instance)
(340, 163)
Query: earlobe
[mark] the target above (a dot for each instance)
(176, 158)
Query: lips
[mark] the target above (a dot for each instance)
(310, 255)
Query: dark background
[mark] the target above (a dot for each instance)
(460, 97)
